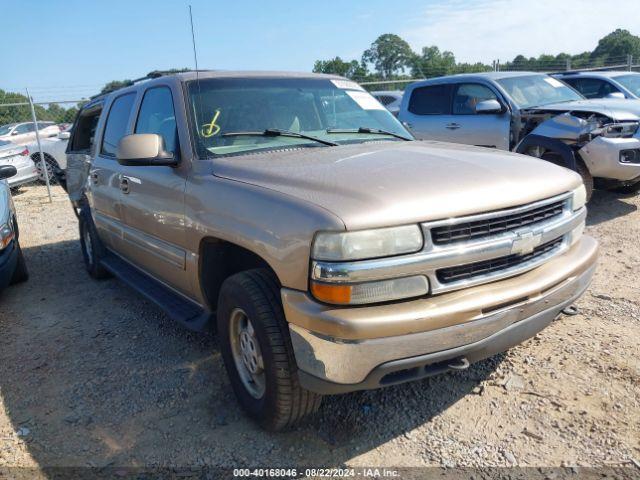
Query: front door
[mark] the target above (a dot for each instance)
(153, 198)
(481, 129)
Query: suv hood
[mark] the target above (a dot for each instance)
(393, 183)
(615, 108)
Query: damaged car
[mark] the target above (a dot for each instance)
(533, 114)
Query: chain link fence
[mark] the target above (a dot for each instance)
(33, 137)
(625, 62)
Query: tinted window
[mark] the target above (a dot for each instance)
(433, 100)
(592, 87)
(468, 95)
(117, 121)
(85, 130)
(157, 116)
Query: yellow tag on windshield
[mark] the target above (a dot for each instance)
(211, 129)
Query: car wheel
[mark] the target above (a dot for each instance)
(92, 248)
(51, 166)
(581, 169)
(20, 274)
(627, 189)
(257, 351)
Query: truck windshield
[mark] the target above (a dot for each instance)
(230, 116)
(537, 90)
(631, 82)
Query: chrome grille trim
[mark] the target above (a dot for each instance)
(434, 257)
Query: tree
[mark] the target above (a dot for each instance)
(433, 63)
(115, 85)
(389, 53)
(614, 47)
(337, 66)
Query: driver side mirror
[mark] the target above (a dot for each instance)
(618, 95)
(144, 149)
(7, 171)
(489, 106)
(64, 135)
(15, 132)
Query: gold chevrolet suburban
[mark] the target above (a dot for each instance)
(330, 250)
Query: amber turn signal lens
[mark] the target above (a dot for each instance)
(340, 294)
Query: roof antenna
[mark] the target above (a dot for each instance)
(195, 59)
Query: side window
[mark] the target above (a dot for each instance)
(24, 128)
(592, 87)
(468, 95)
(84, 132)
(157, 116)
(117, 121)
(432, 100)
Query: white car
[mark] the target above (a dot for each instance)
(55, 157)
(18, 156)
(25, 133)
(390, 99)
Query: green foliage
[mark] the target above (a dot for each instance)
(115, 85)
(22, 113)
(389, 54)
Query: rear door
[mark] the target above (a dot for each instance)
(153, 200)
(482, 129)
(428, 112)
(105, 173)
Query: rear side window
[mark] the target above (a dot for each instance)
(84, 131)
(117, 121)
(432, 100)
(157, 116)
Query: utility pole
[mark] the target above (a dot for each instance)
(43, 164)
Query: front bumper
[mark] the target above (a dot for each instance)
(602, 158)
(346, 349)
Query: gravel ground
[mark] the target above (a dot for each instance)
(93, 375)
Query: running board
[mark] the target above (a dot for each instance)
(178, 308)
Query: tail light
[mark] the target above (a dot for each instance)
(24, 152)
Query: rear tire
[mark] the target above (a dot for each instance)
(92, 249)
(20, 274)
(51, 165)
(627, 189)
(257, 351)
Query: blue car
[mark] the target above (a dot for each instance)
(12, 265)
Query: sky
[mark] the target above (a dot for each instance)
(67, 50)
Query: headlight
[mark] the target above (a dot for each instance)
(579, 198)
(6, 235)
(381, 242)
(370, 292)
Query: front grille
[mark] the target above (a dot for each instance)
(472, 270)
(448, 234)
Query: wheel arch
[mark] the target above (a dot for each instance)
(565, 151)
(219, 259)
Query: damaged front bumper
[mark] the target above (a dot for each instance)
(342, 349)
(603, 157)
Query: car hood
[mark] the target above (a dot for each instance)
(615, 108)
(393, 183)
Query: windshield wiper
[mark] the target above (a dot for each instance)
(375, 131)
(274, 132)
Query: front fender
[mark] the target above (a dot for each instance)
(565, 151)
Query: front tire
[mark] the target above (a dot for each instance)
(257, 351)
(20, 274)
(92, 248)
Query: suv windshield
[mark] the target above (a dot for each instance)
(631, 82)
(537, 90)
(334, 111)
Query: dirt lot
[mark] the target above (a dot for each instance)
(91, 374)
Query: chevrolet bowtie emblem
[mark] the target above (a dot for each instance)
(525, 243)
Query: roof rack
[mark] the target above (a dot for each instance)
(150, 76)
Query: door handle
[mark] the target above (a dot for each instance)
(452, 126)
(124, 184)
